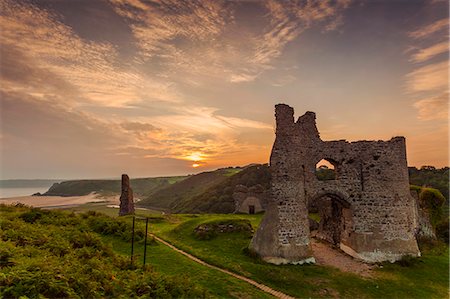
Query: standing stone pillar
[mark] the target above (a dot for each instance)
(126, 197)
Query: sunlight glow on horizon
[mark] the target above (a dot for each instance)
(155, 88)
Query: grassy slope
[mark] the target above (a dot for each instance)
(219, 198)
(169, 197)
(47, 273)
(143, 186)
(426, 278)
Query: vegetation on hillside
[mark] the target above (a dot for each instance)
(219, 198)
(430, 176)
(434, 202)
(141, 187)
(59, 255)
(212, 192)
(170, 197)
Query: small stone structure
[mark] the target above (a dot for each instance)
(126, 197)
(368, 210)
(249, 200)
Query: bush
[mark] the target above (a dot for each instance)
(442, 230)
(408, 261)
(432, 200)
(40, 259)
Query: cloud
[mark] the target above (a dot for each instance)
(431, 80)
(78, 99)
(430, 52)
(44, 122)
(92, 68)
(432, 108)
(139, 127)
(205, 40)
(429, 30)
(431, 77)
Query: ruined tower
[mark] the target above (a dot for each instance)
(372, 212)
(126, 197)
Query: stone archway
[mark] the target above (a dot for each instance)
(336, 219)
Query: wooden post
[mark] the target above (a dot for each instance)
(132, 242)
(145, 240)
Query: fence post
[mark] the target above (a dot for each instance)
(132, 242)
(145, 240)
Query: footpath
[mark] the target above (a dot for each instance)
(260, 286)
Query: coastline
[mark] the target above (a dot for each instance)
(55, 202)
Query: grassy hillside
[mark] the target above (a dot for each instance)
(55, 254)
(430, 176)
(141, 187)
(185, 190)
(218, 198)
(61, 255)
(425, 277)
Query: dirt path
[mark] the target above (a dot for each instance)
(328, 256)
(260, 286)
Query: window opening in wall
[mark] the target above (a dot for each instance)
(325, 171)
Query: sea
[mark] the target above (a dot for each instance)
(16, 188)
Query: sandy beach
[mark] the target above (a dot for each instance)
(58, 201)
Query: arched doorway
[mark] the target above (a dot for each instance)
(335, 218)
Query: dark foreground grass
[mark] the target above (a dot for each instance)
(57, 254)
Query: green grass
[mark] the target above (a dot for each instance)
(232, 171)
(164, 260)
(427, 278)
(61, 254)
(54, 254)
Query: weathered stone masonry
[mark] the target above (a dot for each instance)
(126, 197)
(376, 211)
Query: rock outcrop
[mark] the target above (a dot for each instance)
(126, 197)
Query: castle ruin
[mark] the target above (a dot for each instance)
(368, 210)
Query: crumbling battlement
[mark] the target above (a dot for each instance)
(372, 208)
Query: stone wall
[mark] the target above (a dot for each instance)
(371, 189)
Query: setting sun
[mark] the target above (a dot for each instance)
(196, 156)
(195, 165)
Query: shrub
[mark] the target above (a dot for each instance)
(432, 200)
(64, 262)
(31, 216)
(442, 230)
(408, 261)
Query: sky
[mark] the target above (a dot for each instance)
(97, 88)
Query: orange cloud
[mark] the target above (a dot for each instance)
(430, 52)
(433, 108)
(430, 29)
(428, 78)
